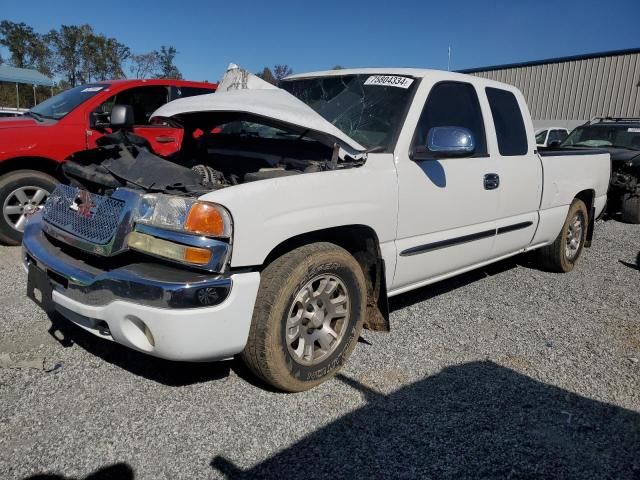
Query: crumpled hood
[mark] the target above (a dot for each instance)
(17, 122)
(241, 91)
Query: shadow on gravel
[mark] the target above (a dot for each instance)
(119, 471)
(477, 420)
(173, 374)
(635, 266)
(445, 286)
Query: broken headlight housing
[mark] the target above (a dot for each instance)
(182, 229)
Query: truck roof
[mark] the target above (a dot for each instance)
(438, 75)
(413, 72)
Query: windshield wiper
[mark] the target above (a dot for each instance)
(35, 115)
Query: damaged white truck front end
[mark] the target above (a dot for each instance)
(292, 213)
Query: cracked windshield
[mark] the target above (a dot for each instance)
(368, 108)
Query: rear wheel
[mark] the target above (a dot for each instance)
(307, 318)
(563, 253)
(631, 207)
(22, 193)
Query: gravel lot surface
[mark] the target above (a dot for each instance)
(507, 372)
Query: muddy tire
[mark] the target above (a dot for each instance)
(562, 255)
(631, 208)
(307, 318)
(21, 192)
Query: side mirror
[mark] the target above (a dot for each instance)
(122, 116)
(450, 141)
(553, 144)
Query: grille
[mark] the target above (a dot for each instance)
(91, 217)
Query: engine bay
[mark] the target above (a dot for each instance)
(213, 155)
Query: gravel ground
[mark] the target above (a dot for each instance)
(504, 372)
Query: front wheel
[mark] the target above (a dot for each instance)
(563, 253)
(22, 192)
(307, 318)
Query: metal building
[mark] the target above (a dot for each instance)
(568, 91)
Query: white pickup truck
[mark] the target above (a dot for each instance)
(293, 213)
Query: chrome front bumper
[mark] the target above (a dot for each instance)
(144, 283)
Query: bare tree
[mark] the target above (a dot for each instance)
(281, 71)
(145, 65)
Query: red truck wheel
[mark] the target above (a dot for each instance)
(21, 193)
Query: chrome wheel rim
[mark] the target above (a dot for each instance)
(317, 319)
(574, 236)
(21, 203)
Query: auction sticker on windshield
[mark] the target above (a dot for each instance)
(633, 130)
(389, 81)
(91, 89)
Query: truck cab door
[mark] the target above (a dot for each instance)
(447, 206)
(518, 168)
(164, 139)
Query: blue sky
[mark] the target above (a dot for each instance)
(318, 35)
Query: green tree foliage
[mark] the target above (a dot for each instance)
(166, 56)
(267, 76)
(77, 54)
(276, 74)
(83, 56)
(27, 48)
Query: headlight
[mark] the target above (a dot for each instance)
(184, 214)
(183, 229)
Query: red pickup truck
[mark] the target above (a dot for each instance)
(33, 146)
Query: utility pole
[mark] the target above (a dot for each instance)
(449, 60)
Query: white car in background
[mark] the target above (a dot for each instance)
(551, 136)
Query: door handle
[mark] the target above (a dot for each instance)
(165, 139)
(491, 181)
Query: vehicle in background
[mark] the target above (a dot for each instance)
(33, 145)
(551, 137)
(12, 112)
(304, 209)
(620, 137)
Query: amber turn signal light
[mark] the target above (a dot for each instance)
(205, 219)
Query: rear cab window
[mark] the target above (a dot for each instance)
(450, 104)
(541, 137)
(557, 136)
(184, 92)
(508, 122)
